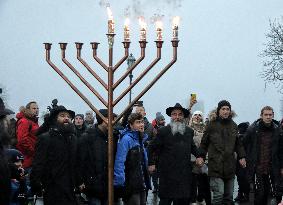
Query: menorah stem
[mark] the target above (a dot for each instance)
(110, 124)
(57, 70)
(79, 47)
(94, 46)
(77, 73)
(130, 70)
(159, 46)
(161, 73)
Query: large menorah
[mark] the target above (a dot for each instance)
(111, 85)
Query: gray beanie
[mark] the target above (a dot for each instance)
(159, 116)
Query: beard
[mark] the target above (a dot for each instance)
(178, 127)
(66, 128)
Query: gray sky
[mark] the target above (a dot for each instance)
(218, 54)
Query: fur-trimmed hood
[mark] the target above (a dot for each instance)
(27, 114)
(212, 116)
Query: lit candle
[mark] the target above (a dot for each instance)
(175, 26)
(158, 25)
(127, 30)
(142, 30)
(110, 21)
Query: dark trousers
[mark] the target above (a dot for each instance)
(242, 179)
(136, 199)
(200, 188)
(168, 201)
(264, 188)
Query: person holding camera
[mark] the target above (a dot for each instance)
(54, 171)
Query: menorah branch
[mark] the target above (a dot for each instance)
(57, 70)
(160, 74)
(94, 46)
(159, 46)
(126, 46)
(77, 73)
(130, 70)
(79, 48)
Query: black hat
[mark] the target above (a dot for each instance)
(221, 104)
(178, 107)
(103, 112)
(14, 155)
(60, 108)
(3, 110)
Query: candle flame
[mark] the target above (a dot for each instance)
(176, 21)
(127, 22)
(142, 23)
(159, 24)
(109, 13)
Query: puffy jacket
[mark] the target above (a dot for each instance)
(26, 136)
(221, 141)
(130, 169)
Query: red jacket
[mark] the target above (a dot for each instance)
(26, 130)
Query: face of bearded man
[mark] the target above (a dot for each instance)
(178, 127)
(177, 123)
(64, 123)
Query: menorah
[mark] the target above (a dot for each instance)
(111, 85)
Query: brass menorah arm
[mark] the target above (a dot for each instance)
(126, 46)
(158, 57)
(79, 93)
(122, 78)
(94, 74)
(160, 74)
(63, 47)
(94, 46)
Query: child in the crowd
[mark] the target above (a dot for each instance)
(19, 189)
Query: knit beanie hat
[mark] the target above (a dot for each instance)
(198, 113)
(80, 115)
(159, 116)
(221, 104)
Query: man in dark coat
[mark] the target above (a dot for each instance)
(5, 185)
(264, 147)
(93, 162)
(174, 145)
(221, 141)
(54, 163)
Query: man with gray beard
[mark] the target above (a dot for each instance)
(174, 145)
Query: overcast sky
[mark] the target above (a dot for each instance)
(218, 59)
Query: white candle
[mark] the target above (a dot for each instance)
(175, 27)
(159, 26)
(127, 30)
(111, 23)
(142, 30)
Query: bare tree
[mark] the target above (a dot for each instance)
(273, 54)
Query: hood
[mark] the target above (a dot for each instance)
(212, 116)
(27, 114)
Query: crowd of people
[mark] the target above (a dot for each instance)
(189, 160)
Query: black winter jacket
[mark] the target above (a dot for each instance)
(174, 164)
(251, 142)
(92, 162)
(53, 167)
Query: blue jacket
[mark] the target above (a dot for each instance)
(131, 162)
